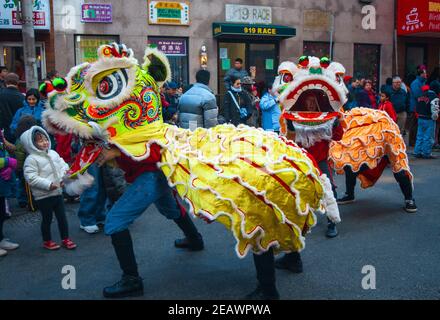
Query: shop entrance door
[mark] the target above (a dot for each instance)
(415, 56)
(12, 57)
(259, 59)
(263, 61)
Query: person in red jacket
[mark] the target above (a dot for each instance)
(319, 150)
(148, 185)
(387, 106)
(371, 94)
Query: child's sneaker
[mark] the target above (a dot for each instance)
(51, 245)
(68, 244)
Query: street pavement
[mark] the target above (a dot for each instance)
(403, 248)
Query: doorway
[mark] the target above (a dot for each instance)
(260, 60)
(12, 56)
(416, 55)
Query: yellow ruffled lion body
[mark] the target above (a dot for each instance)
(260, 186)
(369, 136)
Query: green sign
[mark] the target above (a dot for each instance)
(226, 64)
(174, 12)
(169, 13)
(269, 64)
(260, 30)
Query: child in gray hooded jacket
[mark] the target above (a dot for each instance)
(44, 170)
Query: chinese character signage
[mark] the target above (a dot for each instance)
(168, 12)
(100, 13)
(248, 14)
(170, 46)
(418, 16)
(317, 20)
(9, 17)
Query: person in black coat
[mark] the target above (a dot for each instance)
(170, 112)
(237, 106)
(11, 100)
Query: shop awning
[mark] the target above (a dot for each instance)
(263, 31)
(418, 18)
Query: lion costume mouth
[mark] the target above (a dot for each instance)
(312, 77)
(329, 97)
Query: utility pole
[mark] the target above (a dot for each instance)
(30, 61)
(332, 30)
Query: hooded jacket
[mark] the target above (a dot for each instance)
(271, 112)
(42, 168)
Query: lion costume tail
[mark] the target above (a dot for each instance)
(371, 138)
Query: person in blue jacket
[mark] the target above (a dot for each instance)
(271, 111)
(416, 93)
(31, 106)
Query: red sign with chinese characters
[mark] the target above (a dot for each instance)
(418, 16)
(39, 18)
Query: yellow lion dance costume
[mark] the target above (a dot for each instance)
(262, 187)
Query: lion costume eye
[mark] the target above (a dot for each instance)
(111, 85)
(287, 77)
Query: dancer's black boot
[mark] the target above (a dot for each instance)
(266, 289)
(406, 186)
(290, 261)
(193, 239)
(130, 284)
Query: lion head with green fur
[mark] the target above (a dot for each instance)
(110, 97)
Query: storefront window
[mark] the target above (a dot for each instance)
(176, 50)
(13, 58)
(317, 49)
(86, 46)
(367, 63)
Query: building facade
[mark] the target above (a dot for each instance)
(11, 40)
(261, 32)
(361, 34)
(418, 35)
